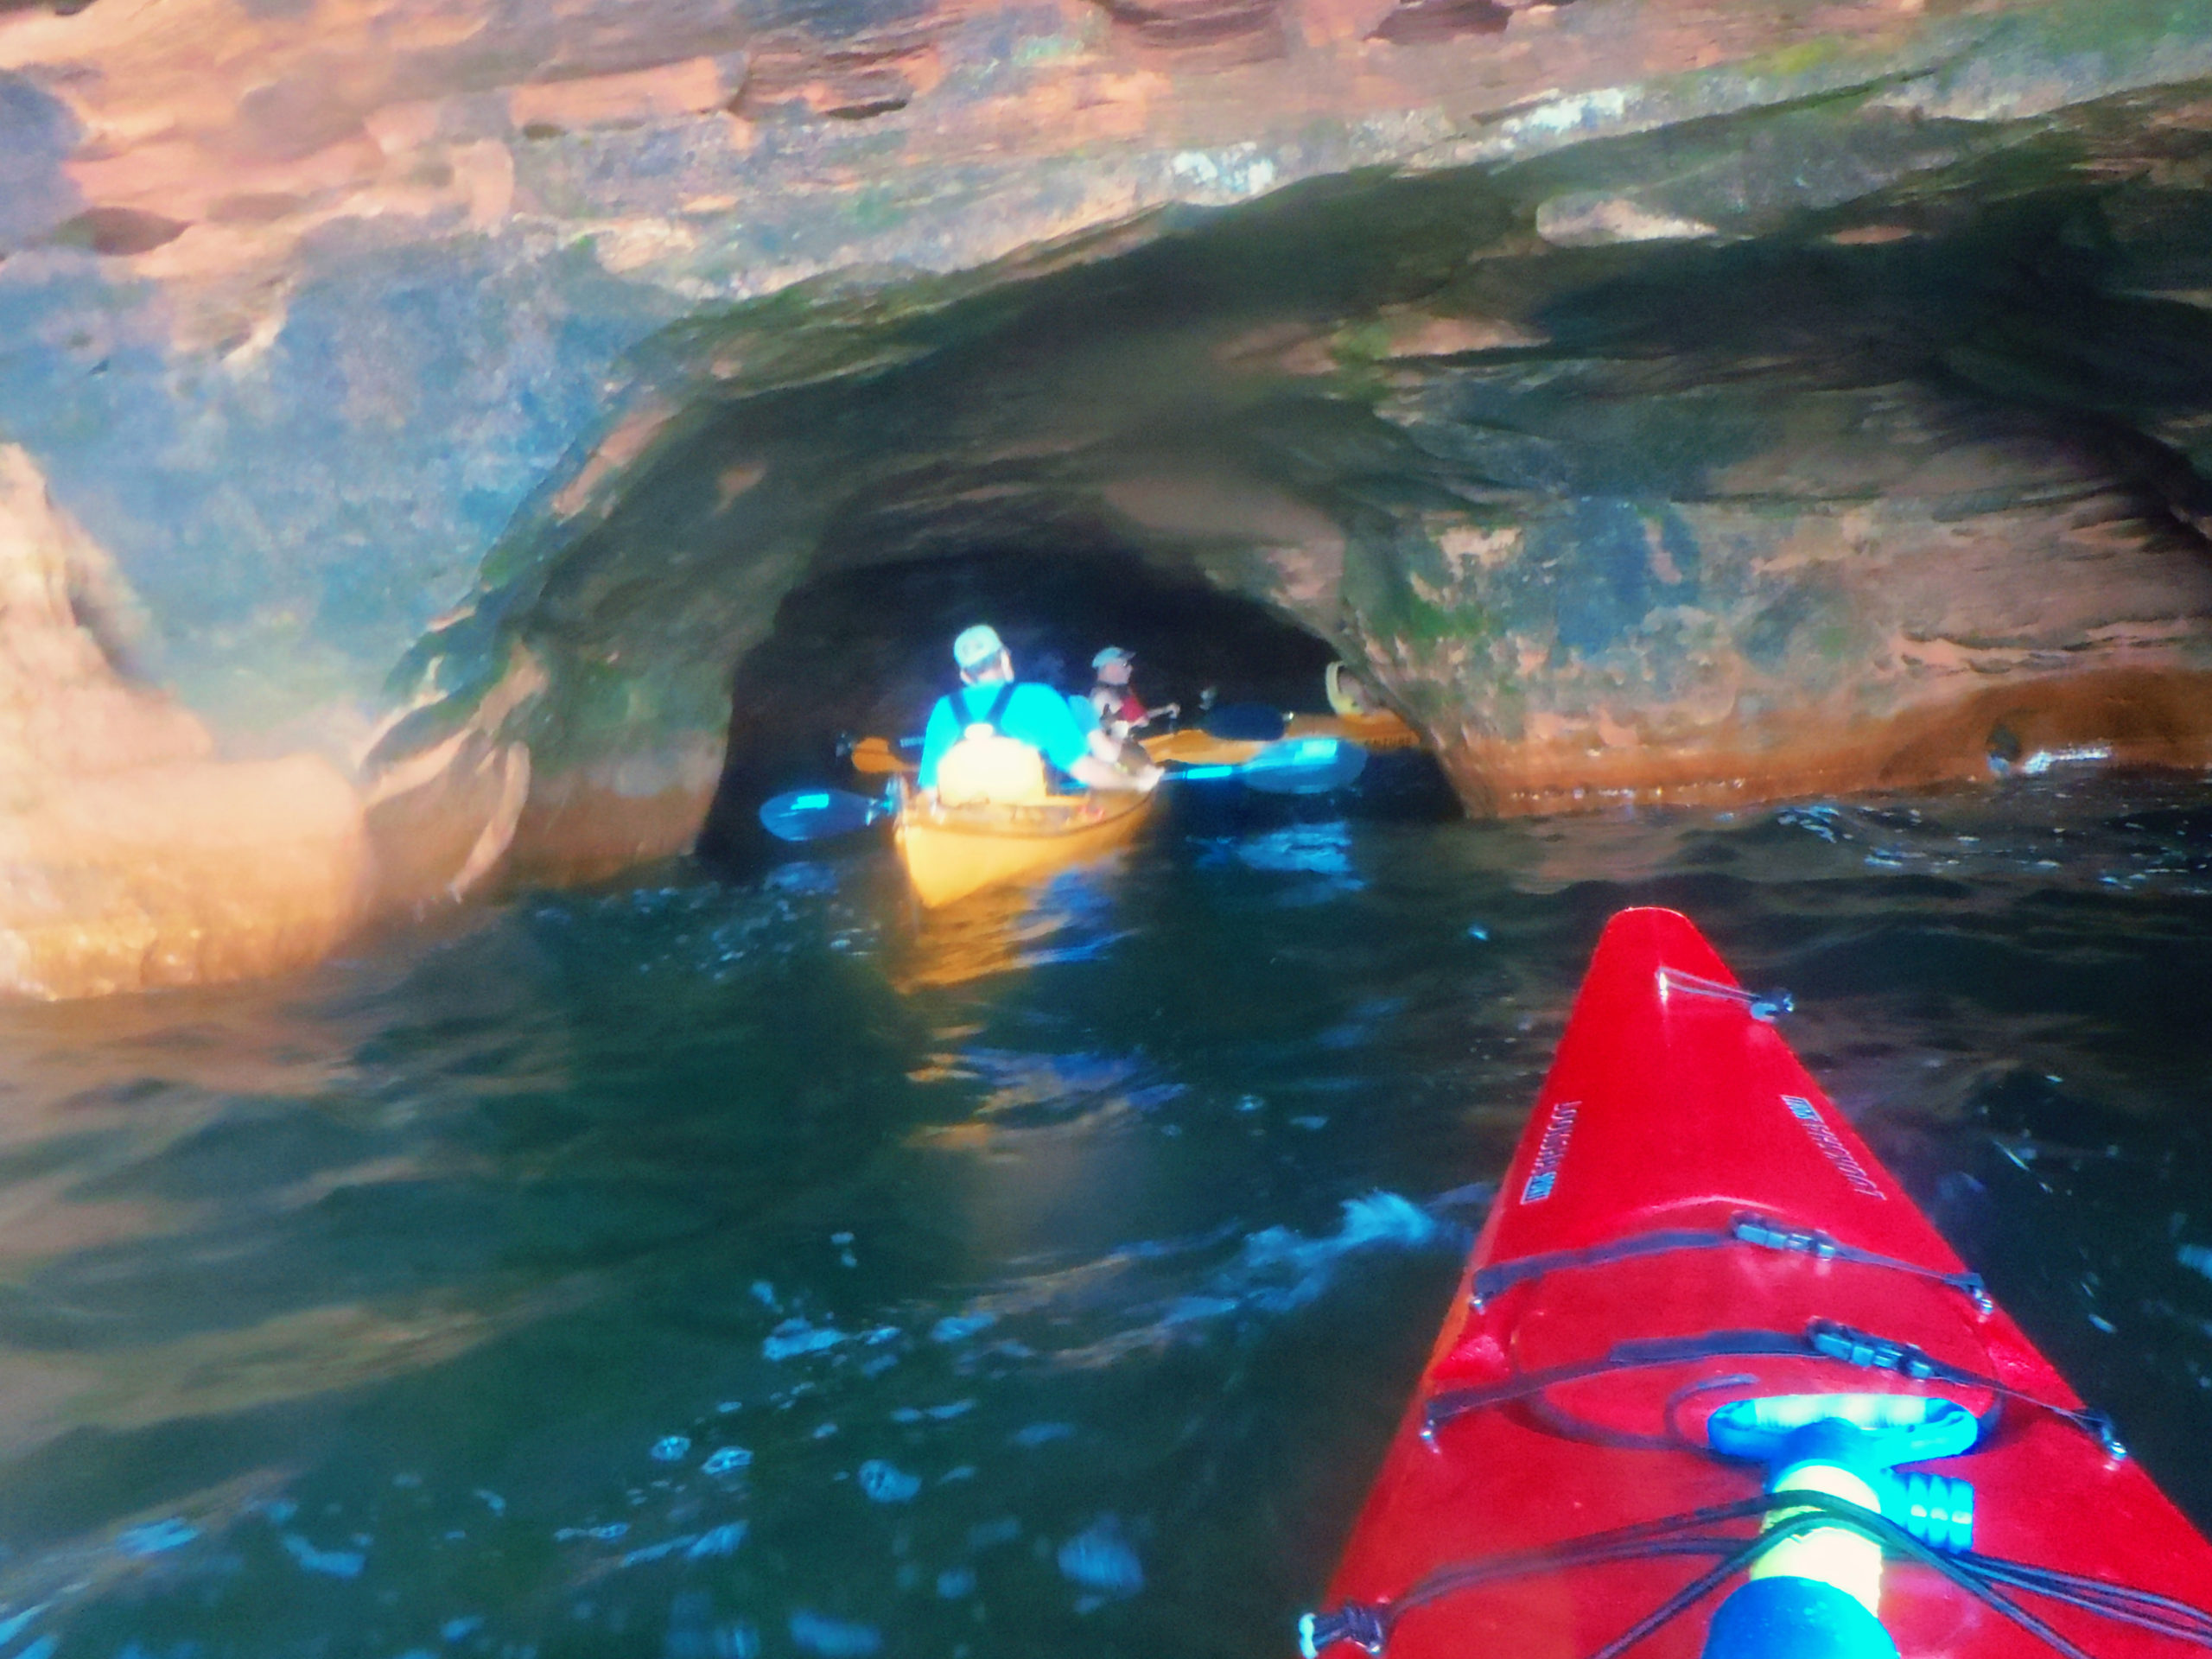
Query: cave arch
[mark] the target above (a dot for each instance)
(1615, 507)
(864, 651)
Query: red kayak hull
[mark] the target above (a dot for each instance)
(1669, 1107)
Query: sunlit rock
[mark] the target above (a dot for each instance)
(129, 858)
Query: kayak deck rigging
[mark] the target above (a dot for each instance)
(1369, 1626)
(1828, 1339)
(1746, 1228)
(1693, 1264)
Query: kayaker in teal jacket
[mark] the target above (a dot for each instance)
(996, 731)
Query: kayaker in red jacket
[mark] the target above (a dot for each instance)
(1119, 709)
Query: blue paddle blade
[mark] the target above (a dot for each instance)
(1244, 722)
(1304, 765)
(813, 814)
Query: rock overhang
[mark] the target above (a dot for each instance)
(1607, 508)
(1618, 380)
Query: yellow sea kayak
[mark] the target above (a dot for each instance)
(1380, 730)
(952, 851)
(1193, 747)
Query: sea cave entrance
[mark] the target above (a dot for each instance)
(864, 651)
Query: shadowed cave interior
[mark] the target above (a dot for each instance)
(866, 653)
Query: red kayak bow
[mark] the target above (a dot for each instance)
(1714, 1384)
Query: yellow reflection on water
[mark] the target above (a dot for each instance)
(983, 935)
(1001, 930)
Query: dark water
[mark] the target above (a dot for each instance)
(735, 1267)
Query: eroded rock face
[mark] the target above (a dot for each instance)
(130, 857)
(1664, 400)
(63, 707)
(307, 300)
(1791, 555)
(1714, 520)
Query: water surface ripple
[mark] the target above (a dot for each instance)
(736, 1267)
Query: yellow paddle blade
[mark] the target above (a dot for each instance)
(876, 755)
(1193, 747)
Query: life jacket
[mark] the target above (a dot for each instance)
(985, 764)
(1117, 709)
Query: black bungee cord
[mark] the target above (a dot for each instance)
(1820, 1338)
(1370, 1623)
